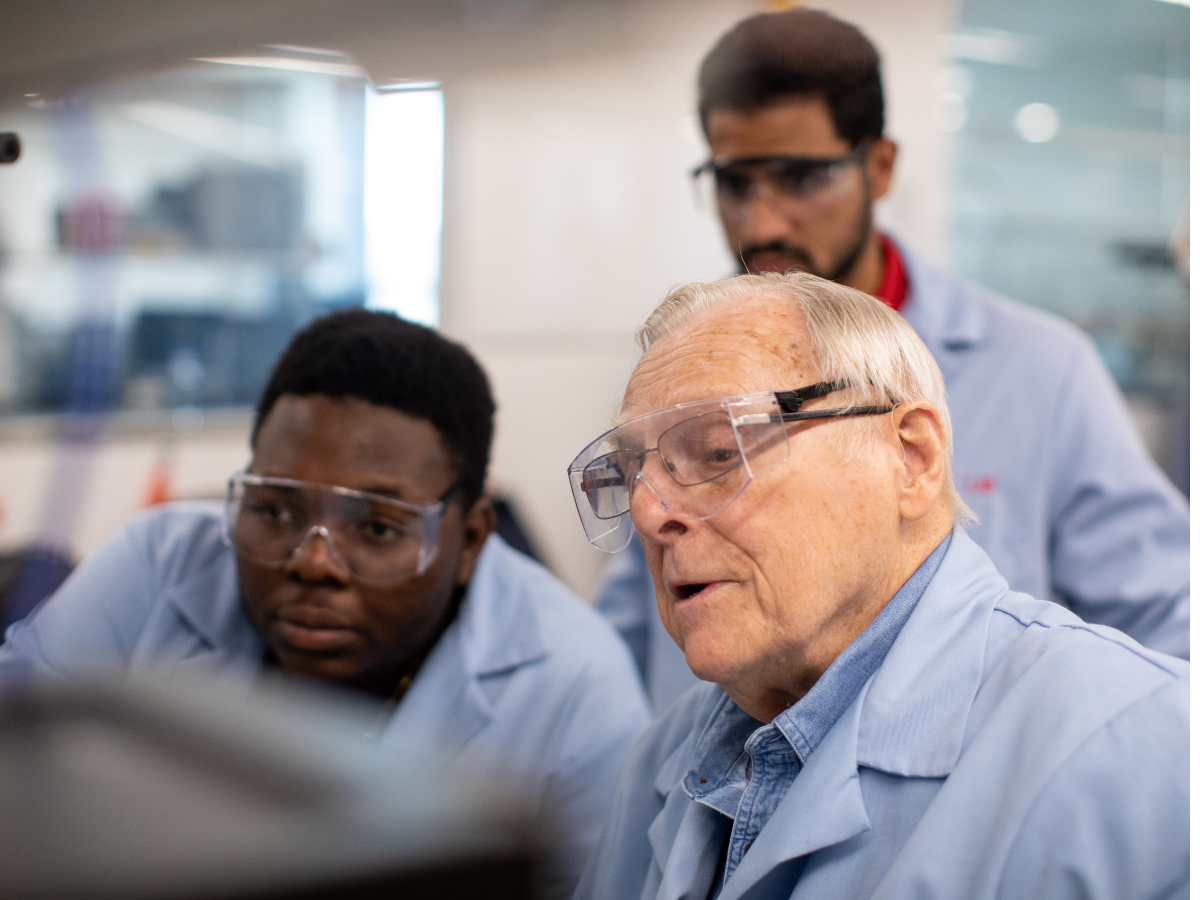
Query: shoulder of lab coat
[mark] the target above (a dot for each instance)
(1071, 506)
(162, 592)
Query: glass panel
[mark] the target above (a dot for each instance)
(1072, 177)
(161, 237)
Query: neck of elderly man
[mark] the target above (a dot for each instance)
(815, 547)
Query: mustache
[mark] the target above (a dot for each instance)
(800, 254)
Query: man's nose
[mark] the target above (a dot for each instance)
(650, 513)
(317, 557)
(760, 220)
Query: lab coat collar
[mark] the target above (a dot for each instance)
(823, 807)
(914, 714)
(495, 632)
(498, 624)
(939, 310)
(698, 818)
(675, 766)
(210, 602)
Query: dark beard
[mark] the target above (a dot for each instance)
(842, 265)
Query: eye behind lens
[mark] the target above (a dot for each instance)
(803, 181)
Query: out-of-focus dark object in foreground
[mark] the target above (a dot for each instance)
(174, 789)
(10, 147)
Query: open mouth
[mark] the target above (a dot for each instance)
(684, 591)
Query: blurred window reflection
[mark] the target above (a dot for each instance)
(190, 220)
(1072, 176)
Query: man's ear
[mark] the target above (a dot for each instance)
(881, 163)
(922, 436)
(478, 522)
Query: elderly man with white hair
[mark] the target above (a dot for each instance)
(888, 718)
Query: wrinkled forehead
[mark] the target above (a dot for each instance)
(742, 347)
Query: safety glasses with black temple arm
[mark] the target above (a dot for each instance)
(695, 458)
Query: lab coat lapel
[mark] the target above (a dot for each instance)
(495, 633)
(445, 706)
(500, 630)
(216, 635)
(947, 318)
(669, 784)
(823, 807)
(687, 839)
(916, 708)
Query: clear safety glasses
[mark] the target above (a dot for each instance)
(374, 538)
(794, 185)
(695, 458)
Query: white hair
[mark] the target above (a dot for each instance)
(854, 338)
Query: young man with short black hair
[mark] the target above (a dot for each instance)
(357, 549)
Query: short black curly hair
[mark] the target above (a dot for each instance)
(770, 57)
(385, 360)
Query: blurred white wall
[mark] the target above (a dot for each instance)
(122, 468)
(569, 213)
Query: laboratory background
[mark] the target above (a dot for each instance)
(197, 182)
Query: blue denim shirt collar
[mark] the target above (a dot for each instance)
(717, 776)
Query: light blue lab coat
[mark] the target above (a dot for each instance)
(1071, 506)
(527, 680)
(1004, 749)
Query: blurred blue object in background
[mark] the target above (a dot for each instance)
(96, 231)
